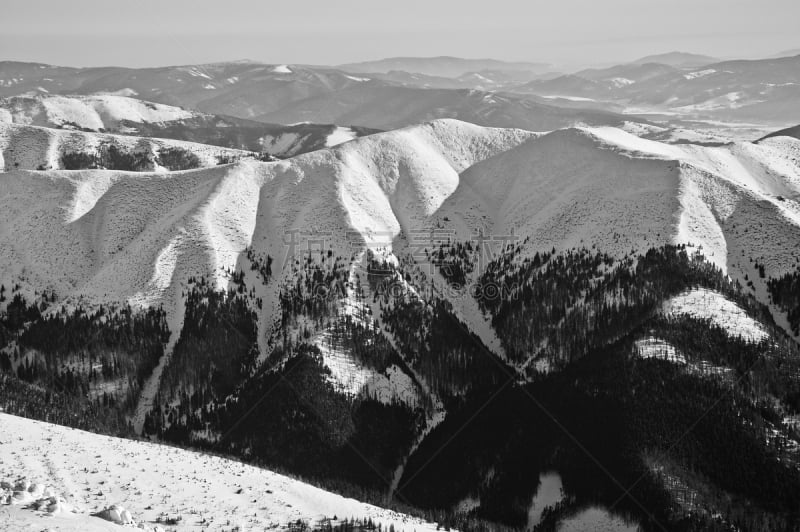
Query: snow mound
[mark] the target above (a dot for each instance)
(117, 514)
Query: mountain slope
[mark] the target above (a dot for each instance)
(626, 193)
(129, 116)
(138, 237)
(292, 94)
(32, 147)
(763, 90)
(240, 89)
(155, 483)
(392, 107)
(573, 187)
(678, 59)
(449, 67)
(793, 132)
(317, 314)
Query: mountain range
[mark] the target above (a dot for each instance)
(518, 306)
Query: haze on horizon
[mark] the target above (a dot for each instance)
(565, 33)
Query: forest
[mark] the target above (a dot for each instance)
(631, 434)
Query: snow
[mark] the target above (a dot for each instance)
(132, 481)
(282, 69)
(197, 72)
(137, 237)
(282, 145)
(708, 304)
(355, 78)
(102, 111)
(34, 147)
(339, 136)
(700, 73)
(729, 100)
(621, 82)
(651, 347)
(570, 98)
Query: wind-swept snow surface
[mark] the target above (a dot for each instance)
(93, 473)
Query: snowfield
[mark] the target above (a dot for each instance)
(87, 474)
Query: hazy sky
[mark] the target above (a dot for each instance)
(151, 33)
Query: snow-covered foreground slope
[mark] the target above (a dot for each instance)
(136, 238)
(32, 147)
(93, 472)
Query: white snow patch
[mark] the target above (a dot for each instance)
(570, 98)
(621, 82)
(699, 73)
(709, 304)
(340, 135)
(651, 347)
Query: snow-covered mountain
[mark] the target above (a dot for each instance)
(290, 94)
(258, 276)
(764, 90)
(138, 237)
(242, 89)
(25, 147)
(97, 112)
(130, 116)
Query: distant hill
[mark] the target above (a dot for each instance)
(129, 116)
(449, 67)
(238, 89)
(786, 53)
(678, 59)
(763, 91)
(393, 107)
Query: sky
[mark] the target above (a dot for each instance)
(140, 33)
